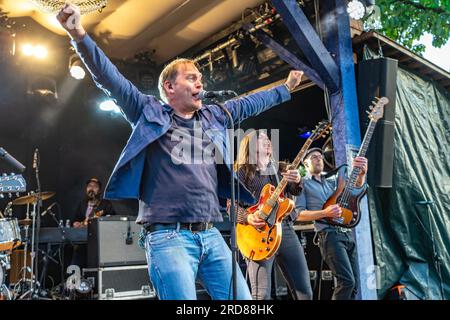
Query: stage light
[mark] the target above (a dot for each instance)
(356, 9)
(77, 72)
(109, 105)
(38, 51)
(244, 59)
(76, 67)
(359, 9)
(305, 135)
(42, 87)
(86, 6)
(28, 50)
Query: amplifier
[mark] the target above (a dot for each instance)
(113, 241)
(120, 283)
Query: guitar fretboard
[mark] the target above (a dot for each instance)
(294, 165)
(362, 152)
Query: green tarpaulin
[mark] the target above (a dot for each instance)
(405, 226)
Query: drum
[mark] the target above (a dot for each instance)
(9, 234)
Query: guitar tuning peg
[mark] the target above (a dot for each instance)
(1, 196)
(368, 112)
(378, 99)
(10, 195)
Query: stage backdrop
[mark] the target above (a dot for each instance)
(404, 226)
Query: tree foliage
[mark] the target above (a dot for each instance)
(407, 20)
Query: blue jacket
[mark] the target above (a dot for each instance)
(151, 118)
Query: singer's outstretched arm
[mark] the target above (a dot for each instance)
(110, 80)
(256, 103)
(104, 73)
(252, 105)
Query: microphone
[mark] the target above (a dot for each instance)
(35, 158)
(11, 160)
(48, 209)
(216, 94)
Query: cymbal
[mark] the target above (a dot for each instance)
(26, 222)
(31, 199)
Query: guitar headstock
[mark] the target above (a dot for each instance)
(377, 108)
(321, 130)
(13, 183)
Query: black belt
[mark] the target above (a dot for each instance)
(193, 227)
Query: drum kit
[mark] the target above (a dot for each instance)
(11, 238)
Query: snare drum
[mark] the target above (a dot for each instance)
(9, 234)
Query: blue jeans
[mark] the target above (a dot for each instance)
(176, 258)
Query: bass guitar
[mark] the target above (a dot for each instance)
(346, 195)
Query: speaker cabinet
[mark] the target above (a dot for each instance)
(378, 78)
(113, 241)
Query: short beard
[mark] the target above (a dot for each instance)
(316, 170)
(91, 195)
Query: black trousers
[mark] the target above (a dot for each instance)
(338, 249)
(292, 262)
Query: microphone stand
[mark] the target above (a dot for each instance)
(436, 256)
(34, 293)
(233, 243)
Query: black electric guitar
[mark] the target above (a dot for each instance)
(345, 195)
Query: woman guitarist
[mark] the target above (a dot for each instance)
(256, 169)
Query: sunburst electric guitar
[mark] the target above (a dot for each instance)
(273, 207)
(345, 195)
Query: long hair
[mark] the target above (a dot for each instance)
(247, 155)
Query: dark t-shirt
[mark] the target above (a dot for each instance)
(180, 177)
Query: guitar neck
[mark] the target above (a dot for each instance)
(362, 152)
(294, 165)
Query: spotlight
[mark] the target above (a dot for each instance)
(28, 50)
(38, 51)
(76, 67)
(109, 105)
(43, 87)
(244, 59)
(305, 135)
(358, 9)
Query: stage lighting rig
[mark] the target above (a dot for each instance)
(86, 6)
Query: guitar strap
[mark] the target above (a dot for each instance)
(334, 171)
